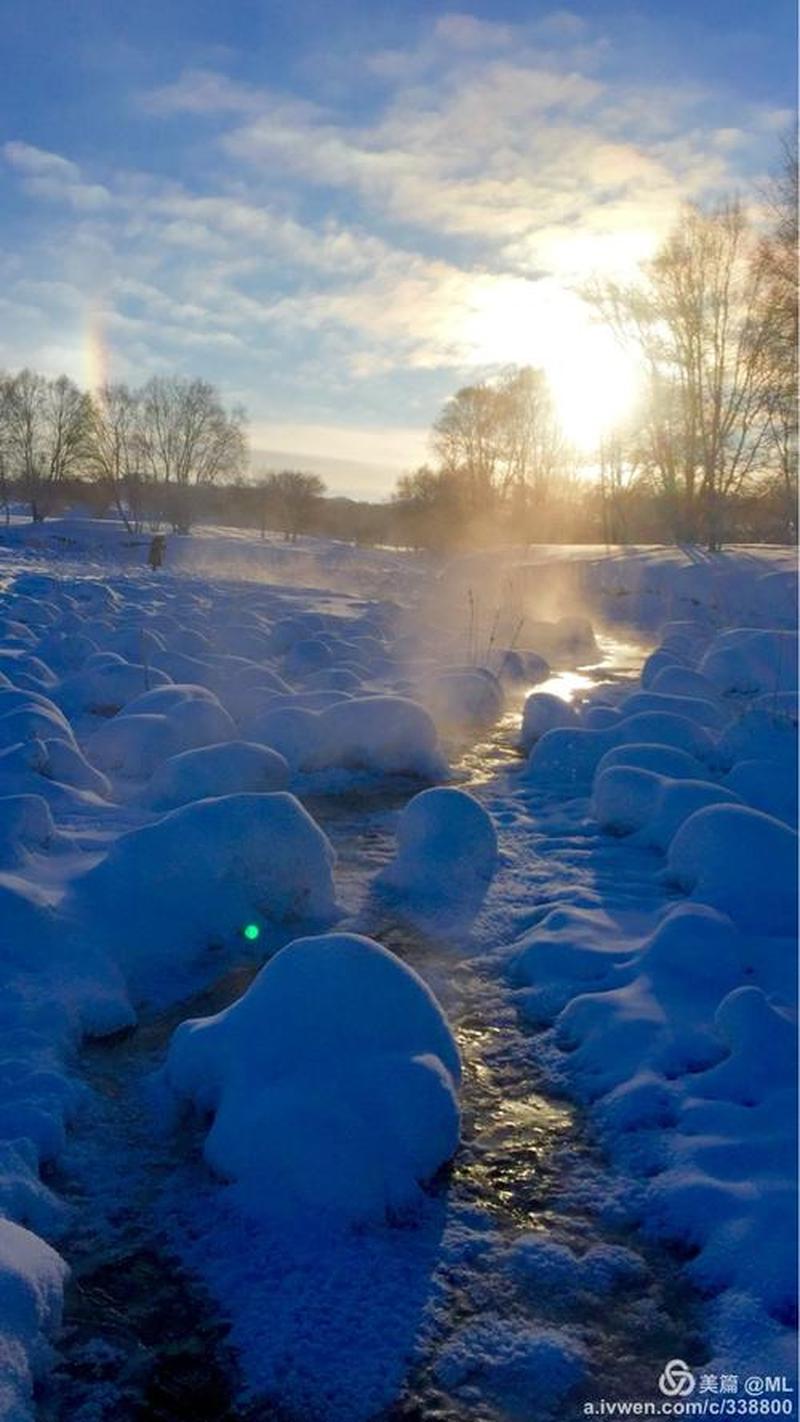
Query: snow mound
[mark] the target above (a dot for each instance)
(25, 723)
(750, 662)
(663, 760)
(446, 855)
(105, 688)
(627, 799)
(764, 785)
(227, 769)
(683, 681)
(291, 731)
(332, 1081)
(742, 862)
(544, 712)
(135, 745)
(694, 708)
(568, 755)
(507, 1363)
(387, 735)
(32, 1278)
(65, 764)
(189, 882)
(307, 657)
(464, 696)
(523, 668)
(665, 728)
(25, 824)
(572, 755)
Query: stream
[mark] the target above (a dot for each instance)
(141, 1337)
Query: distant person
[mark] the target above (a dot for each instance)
(155, 556)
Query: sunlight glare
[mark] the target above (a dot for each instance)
(513, 321)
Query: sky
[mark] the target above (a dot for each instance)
(339, 213)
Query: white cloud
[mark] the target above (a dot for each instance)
(313, 253)
(51, 176)
(392, 447)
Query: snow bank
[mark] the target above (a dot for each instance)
(28, 722)
(446, 855)
(332, 1081)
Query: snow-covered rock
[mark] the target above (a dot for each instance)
(751, 662)
(32, 1279)
(332, 1081)
(446, 855)
(464, 696)
(544, 712)
(627, 800)
(103, 689)
(387, 735)
(133, 746)
(741, 862)
(191, 881)
(226, 769)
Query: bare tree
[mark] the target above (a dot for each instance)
(428, 506)
(114, 449)
(535, 451)
(621, 474)
(466, 444)
(778, 257)
(45, 425)
(291, 497)
(502, 439)
(188, 437)
(700, 321)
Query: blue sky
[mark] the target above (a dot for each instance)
(340, 212)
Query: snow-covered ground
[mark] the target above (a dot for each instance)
(243, 751)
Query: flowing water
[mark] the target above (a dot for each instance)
(143, 1340)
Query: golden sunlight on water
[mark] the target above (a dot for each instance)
(509, 1155)
(477, 761)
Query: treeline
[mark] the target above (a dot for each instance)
(709, 453)
(145, 449)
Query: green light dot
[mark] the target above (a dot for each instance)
(252, 932)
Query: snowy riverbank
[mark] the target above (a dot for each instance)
(634, 954)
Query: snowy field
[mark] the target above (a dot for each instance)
(398, 1013)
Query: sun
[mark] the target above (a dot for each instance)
(595, 382)
(514, 321)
